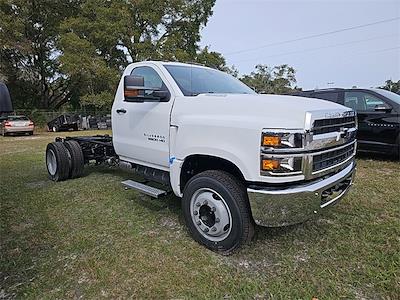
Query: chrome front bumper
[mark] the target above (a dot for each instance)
(275, 207)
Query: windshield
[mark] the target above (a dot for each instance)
(390, 95)
(196, 80)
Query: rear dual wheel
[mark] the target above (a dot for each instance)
(57, 161)
(64, 160)
(77, 160)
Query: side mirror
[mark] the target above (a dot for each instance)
(133, 87)
(382, 108)
(135, 91)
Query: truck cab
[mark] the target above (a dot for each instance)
(236, 158)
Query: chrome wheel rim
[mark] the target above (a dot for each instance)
(210, 214)
(51, 162)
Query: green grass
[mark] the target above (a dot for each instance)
(89, 237)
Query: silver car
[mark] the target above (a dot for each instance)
(17, 124)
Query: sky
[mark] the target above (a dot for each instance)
(243, 32)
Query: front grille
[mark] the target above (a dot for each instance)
(332, 158)
(331, 125)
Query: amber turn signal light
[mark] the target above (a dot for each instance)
(270, 164)
(271, 141)
(131, 93)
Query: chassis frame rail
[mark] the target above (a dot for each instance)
(99, 147)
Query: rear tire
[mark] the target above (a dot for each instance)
(57, 161)
(77, 159)
(217, 211)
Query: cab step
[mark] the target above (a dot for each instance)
(143, 188)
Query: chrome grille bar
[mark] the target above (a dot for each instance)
(335, 124)
(332, 158)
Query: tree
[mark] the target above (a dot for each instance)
(28, 56)
(275, 80)
(104, 36)
(55, 52)
(392, 86)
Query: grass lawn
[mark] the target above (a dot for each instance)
(90, 238)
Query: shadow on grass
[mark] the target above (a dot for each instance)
(173, 204)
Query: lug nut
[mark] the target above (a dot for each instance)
(216, 220)
(213, 208)
(198, 223)
(205, 229)
(213, 229)
(198, 204)
(195, 212)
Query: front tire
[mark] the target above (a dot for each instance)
(217, 211)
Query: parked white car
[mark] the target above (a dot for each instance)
(235, 158)
(16, 125)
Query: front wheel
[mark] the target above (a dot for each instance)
(217, 212)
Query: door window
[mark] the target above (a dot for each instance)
(151, 79)
(362, 101)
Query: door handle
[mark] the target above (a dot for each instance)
(121, 111)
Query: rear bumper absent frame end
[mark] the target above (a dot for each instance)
(273, 207)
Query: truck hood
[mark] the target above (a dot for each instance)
(252, 111)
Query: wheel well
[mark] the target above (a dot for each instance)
(195, 164)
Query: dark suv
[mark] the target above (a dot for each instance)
(378, 113)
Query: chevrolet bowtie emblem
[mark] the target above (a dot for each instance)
(342, 134)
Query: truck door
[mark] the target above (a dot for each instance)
(141, 129)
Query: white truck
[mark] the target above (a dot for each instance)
(234, 157)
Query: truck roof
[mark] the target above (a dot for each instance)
(175, 63)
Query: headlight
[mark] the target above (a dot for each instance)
(282, 140)
(278, 152)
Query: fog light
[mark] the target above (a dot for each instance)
(270, 164)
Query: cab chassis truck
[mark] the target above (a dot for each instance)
(236, 158)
